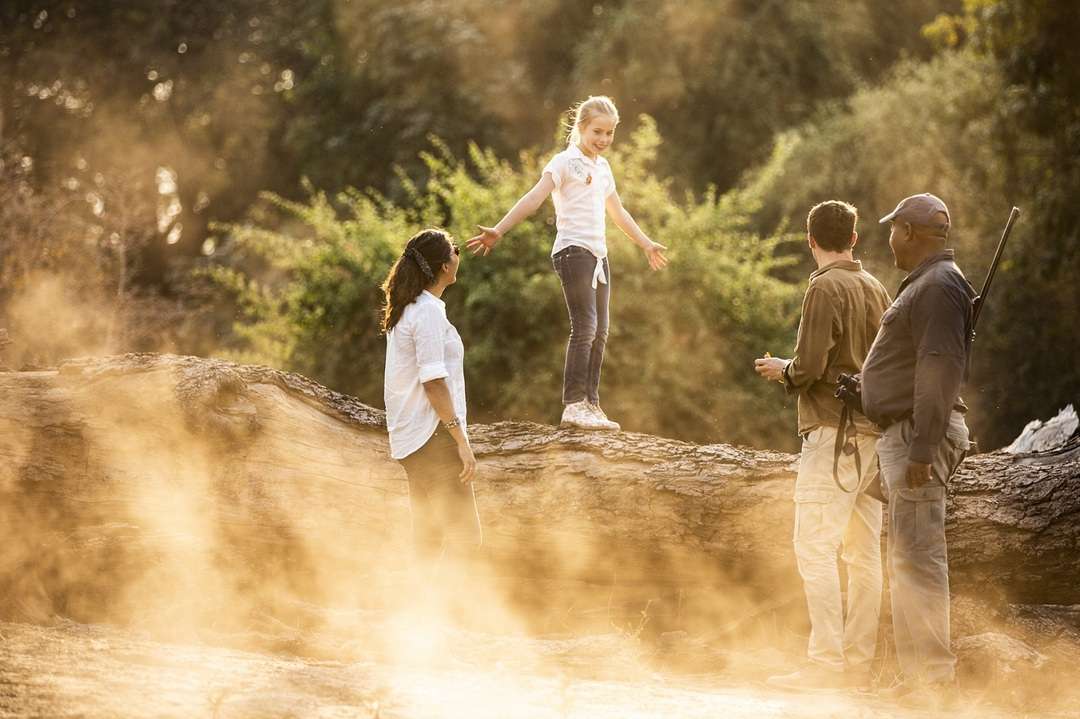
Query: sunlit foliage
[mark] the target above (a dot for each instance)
(682, 342)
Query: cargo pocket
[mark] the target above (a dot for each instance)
(954, 449)
(810, 504)
(919, 515)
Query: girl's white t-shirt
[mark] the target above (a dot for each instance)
(421, 347)
(582, 186)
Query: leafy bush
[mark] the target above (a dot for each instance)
(682, 341)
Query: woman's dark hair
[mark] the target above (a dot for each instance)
(425, 253)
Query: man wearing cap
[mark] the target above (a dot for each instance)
(910, 387)
(840, 313)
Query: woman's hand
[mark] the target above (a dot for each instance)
(484, 242)
(654, 251)
(468, 462)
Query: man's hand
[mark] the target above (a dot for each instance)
(771, 368)
(484, 242)
(918, 474)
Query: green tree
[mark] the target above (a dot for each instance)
(124, 88)
(959, 127)
(723, 78)
(1030, 334)
(248, 95)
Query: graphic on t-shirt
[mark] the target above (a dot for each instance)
(579, 172)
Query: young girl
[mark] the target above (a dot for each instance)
(582, 187)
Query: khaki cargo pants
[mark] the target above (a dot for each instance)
(826, 521)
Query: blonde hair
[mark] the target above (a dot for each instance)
(584, 112)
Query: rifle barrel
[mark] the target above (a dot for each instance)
(981, 299)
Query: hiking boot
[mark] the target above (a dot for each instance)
(599, 413)
(578, 414)
(811, 678)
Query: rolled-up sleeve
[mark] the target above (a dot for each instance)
(939, 320)
(556, 167)
(818, 329)
(428, 337)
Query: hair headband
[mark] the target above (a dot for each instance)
(424, 266)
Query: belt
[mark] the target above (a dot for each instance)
(958, 406)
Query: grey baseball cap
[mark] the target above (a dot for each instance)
(921, 210)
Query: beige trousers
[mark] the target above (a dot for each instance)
(833, 526)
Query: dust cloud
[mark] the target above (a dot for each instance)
(197, 504)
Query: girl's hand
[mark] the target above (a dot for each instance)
(484, 242)
(655, 252)
(468, 462)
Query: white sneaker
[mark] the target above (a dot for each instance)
(599, 414)
(579, 415)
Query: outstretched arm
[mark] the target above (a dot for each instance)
(529, 203)
(654, 251)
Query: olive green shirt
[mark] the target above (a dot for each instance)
(841, 312)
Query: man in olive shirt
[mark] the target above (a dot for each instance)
(910, 387)
(840, 314)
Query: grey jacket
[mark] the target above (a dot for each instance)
(919, 358)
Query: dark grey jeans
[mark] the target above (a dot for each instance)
(588, 310)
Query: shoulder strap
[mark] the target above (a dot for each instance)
(847, 442)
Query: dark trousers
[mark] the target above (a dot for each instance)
(588, 310)
(444, 515)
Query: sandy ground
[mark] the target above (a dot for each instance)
(74, 670)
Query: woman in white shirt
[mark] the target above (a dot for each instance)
(582, 187)
(424, 391)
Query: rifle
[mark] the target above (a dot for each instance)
(981, 298)
(874, 488)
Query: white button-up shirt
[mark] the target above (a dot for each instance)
(421, 347)
(582, 187)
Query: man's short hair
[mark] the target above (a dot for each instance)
(832, 224)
